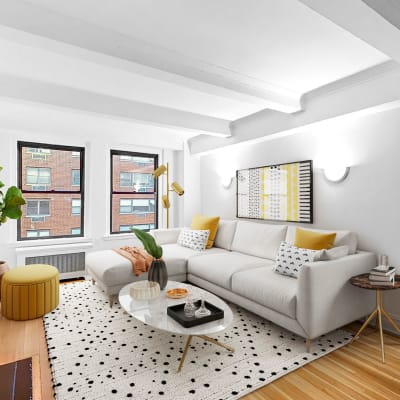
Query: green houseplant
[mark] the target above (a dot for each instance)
(158, 270)
(11, 201)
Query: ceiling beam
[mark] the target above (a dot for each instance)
(13, 87)
(149, 60)
(371, 91)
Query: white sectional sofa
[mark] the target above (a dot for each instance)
(240, 268)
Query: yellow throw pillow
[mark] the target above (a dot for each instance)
(202, 222)
(313, 240)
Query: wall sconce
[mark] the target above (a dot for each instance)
(226, 181)
(175, 187)
(336, 173)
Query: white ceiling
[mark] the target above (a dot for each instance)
(181, 67)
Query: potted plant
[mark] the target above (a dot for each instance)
(158, 270)
(10, 203)
(10, 207)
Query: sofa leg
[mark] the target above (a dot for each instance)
(111, 299)
(308, 345)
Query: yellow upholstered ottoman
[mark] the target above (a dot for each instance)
(29, 292)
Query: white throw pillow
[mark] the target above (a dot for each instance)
(290, 259)
(332, 254)
(194, 239)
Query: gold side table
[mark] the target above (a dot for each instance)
(362, 281)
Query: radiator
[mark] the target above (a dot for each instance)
(70, 265)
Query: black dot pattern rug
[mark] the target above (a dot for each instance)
(101, 353)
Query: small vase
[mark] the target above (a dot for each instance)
(158, 273)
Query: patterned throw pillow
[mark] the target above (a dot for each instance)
(194, 239)
(290, 259)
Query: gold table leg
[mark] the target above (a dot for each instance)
(189, 339)
(215, 341)
(379, 311)
(379, 308)
(204, 337)
(367, 321)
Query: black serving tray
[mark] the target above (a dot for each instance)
(176, 312)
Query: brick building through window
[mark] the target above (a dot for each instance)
(51, 179)
(133, 191)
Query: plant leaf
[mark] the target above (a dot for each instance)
(14, 195)
(149, 243)
(13, 212)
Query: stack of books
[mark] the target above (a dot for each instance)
(382, 276)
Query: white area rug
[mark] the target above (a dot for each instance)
(102, 353)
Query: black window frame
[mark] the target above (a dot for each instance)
(114, 192)
(81, 191)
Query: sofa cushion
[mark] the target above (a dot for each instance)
(194, 239)
(225, 233)
(332, 254)
(210, 223)
(307, 239)
(113, 269)
(109, 267)
(265, 287)
(176, 256)
(290, 259)
(219, 267)
(260, 240)
(342, 237)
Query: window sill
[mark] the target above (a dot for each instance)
(85, 242)
(119, 236)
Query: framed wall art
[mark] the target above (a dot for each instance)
(282, 192)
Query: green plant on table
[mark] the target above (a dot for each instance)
(11, 201)
(149, 243)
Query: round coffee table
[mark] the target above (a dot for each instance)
(154, 313)
(362, 282)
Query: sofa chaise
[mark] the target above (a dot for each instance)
(240, 268)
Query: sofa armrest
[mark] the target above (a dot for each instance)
(165, 236)
(326, 300)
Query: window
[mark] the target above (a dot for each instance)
(76, 177)
(136, 206)
(39, 188)
(140, 162)
(139, 182)
(35, 176)
(38, 154)
(53, 189)
(128, 228)
(133, 194)
(37, 208)
(76, 207)
(38, 233)
(125, 158)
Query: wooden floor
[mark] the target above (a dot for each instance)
(353, 372)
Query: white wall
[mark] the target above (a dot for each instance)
(367, 202)
(97, 186)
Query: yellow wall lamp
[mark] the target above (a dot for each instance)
(175, 187)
